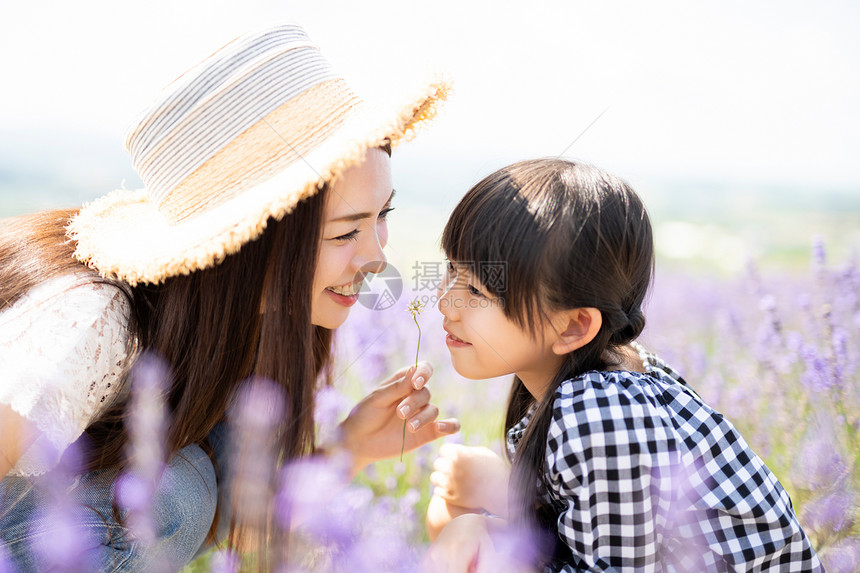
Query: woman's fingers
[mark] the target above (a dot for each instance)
(425, 416)
(401, 384)
(415, 402)
(446, 427)
(421, 375)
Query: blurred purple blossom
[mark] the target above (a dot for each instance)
(843, 557)
(819, 465)
(306, 487)
(832, 512)
(71, 546)
(146, 450)
(5, 563)
(818, 376)
(225, 561)
(330, 407)
(259, 409)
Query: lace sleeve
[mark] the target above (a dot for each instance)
(63, 347)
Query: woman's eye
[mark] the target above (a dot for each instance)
(383, 215)
(351, 236)
(450, 266)
(475, 292)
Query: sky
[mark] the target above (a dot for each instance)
(748, 90)
(755, 92)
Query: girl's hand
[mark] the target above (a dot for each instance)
(472, 477)
(440, 513)
(464, 546)
(374, 429)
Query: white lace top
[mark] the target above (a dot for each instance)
(63, 348)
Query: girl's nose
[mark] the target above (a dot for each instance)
(445, 295)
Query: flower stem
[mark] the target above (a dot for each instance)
(417, 347)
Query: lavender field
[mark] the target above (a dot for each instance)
(777, 352)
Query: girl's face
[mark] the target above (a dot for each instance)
(354, 234)
(484, 343)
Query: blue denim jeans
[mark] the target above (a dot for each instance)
(182, 510)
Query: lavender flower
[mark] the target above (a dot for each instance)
(146, 447)
(330, 405)
(843, 557)
(70, 547)
(5, 561)
(258, 411)
(832, 512)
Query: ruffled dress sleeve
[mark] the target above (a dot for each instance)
(64, 347)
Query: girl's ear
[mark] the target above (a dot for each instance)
(579, 326)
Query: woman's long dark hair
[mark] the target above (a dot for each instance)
(211, 326)
(567, 235)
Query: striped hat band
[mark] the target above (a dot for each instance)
(244, 115)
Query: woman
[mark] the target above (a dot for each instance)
(267, 188)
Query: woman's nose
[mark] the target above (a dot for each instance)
(371, 256)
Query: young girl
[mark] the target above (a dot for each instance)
(615, 459)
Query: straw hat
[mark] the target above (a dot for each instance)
(245, 135)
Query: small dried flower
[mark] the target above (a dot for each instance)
(415, 308)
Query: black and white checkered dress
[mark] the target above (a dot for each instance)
(644, 476)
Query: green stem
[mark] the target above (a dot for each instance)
(403, 443)
(417, 347)
(415, 318)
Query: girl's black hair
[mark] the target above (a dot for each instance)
(544, 235)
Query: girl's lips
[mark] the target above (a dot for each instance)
(455, 342)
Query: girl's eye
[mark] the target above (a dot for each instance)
(450, 266)
(475, 292)
(383, 215)
(351, 236)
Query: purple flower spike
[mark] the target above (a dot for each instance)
(819, 465)
(830, 513)
(330, 407)
(817, 377)
(68, 545)
(258, 412)
(225, 561)
(5, 562)
(146, 448)
(261, 404)
(307, 487)
(843, 557)
(819, 253)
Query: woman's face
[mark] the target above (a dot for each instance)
(354, 233)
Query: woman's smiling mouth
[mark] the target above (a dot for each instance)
(345, 295)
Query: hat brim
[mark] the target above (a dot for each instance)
(123, 235)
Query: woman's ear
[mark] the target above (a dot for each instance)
(578, 327)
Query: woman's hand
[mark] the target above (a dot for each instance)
(472, 477)
(374, 429)
(464, 546)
